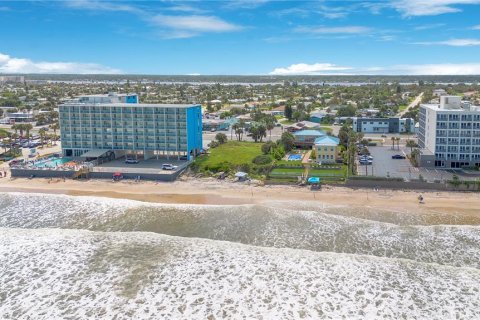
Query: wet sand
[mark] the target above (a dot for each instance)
(214, 192)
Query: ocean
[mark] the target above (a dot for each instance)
(65, 257)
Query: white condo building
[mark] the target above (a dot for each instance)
(94, 125)
(449, 134)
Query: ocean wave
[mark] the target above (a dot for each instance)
(57, 274)
(320, 229)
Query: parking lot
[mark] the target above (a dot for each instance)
(143, 167)
(384, 166)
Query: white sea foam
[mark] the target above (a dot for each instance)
(327, 229)
(197, 262)
(57, 274)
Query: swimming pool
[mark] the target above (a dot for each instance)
(294, 157)
(52, 162)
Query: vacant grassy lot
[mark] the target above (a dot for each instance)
(287, 172)
(228, 156)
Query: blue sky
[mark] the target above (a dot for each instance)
(241, 37)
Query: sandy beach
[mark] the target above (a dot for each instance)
(214, 192)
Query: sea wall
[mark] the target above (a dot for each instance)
(27, 173)
(411, 185)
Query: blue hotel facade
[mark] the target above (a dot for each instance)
(119, 123)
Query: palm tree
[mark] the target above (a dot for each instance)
(43, 133)
(393, 143)
(27, 128)
(55, 127)
(411, 144)
(4, 136)
(15, 128)
(414, 154)
(270, 124)
(398, 143)
(234, 129)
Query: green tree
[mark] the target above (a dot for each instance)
(28, 127)
(257, 132)
(43, 134)
(268, 147)
(270, 124)
(411, 144)
(288, 112)
(55, 127)
(287, 140)
(347, 111)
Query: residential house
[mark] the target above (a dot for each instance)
(306, 138)
(326, 149)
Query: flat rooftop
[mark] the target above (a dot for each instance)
(129, 105)
(437, 107)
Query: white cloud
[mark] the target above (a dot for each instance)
(194, 23)
(411, 8)
(429, 26)
(304, 68)
(334, 30)
(415, 69)
(20, 65)
(101, 6)
(171, 26)
(186, 8)
(477, 27)
(436, 69)
(244, 4)
(454, 43)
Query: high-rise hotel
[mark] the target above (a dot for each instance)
(449, 134)
(95, 124)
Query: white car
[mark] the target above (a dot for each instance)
(131, 161)
(168, 166)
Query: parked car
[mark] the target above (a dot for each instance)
(383, 136)
(366, 157)
(365, 162)
(131, 161)
(398, 156)
(183, 158)
(168, 166)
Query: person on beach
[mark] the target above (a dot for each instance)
(420, 199)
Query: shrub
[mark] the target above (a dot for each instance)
(214, 144)
(221, 138)
(218, 167)
(245, 167)
(278, 153)
(263, 159)
(268, 147)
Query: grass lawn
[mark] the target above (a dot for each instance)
(402, 108)
(229, 154)
(287, 171)
(328, 130)
(342, 172)
(286, 121)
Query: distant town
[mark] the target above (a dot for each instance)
(418, 132)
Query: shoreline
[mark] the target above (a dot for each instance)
(214, 192)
